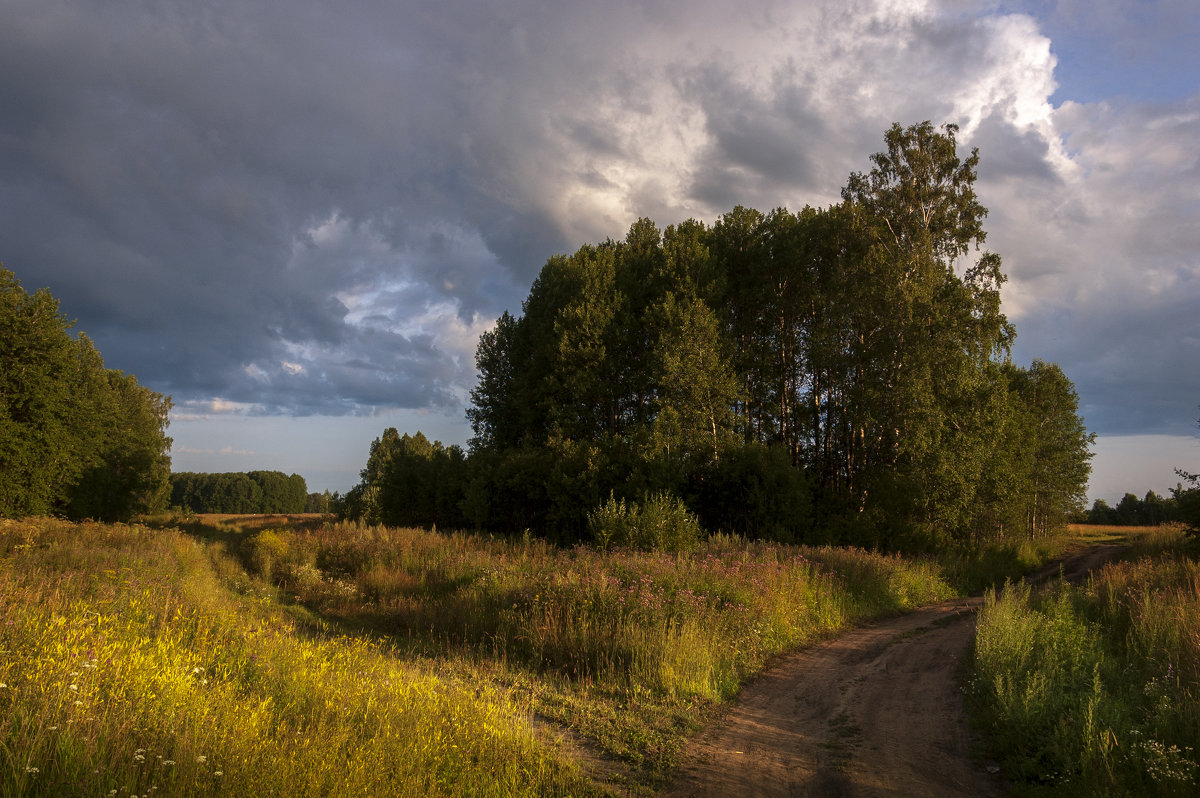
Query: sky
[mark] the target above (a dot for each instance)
(296, 218)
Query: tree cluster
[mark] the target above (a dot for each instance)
(409, 481)
(1150, 510)
(839, 374)
(76, 438)
(237, 493)
(1182, 506)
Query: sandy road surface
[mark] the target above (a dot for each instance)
(875, 712)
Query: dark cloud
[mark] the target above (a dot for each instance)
(301, 208)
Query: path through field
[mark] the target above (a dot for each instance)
(876, 712)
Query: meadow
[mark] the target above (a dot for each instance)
(279, 656)
(1094, 689)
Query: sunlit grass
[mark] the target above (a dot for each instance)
(1095, 690)
(127, 666)
(301, 656)
(692, 624)
(1105, 533)
(629, 650)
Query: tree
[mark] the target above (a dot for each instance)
(38, 364)
(131, 475)
(75, 438)
(858, 344)
(922, 191)
(1187, 501)
(1060, 450)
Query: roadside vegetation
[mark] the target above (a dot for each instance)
(142, 662)
(1094, 689)
(265, 656)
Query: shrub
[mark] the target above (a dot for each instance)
(660, 523)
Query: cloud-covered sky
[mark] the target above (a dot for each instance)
(297, 217)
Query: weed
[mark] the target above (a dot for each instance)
(1093, 689)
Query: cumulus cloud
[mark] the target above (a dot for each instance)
(303, 209)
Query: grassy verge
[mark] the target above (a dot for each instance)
(284, 656)
(627, 650)
(139, 662)
(1093, 690)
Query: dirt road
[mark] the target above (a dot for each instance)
(875, 712)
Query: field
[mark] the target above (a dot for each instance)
(299, 656)
(1095, 689)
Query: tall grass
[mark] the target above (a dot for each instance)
(128, 667)
(1095, 689)
(691, 624)
(326, 657)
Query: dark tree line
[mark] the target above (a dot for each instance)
(1150, 510)
(839, 374)
(1182, 506)
(76, 438)
(236, 493)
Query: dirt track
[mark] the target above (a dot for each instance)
(875, 712)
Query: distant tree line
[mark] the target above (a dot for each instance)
(1182, 506)
(236, 493)
(1150, 510)
(76, 438)
(838, 374)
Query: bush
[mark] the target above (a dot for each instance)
(660, 523)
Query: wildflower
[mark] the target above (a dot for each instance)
(218, 773)
(3, 685)
(201, 759)
(51, 728)
(74, 687)
(168, 762)
(31, 769)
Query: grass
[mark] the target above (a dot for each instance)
(628, 650)
(1093, 689)
(141, 662)
(278, 656)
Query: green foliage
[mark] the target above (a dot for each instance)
(75, 438)
(1150, 510)
(754, 491)
(1093, 690)
(836, 374)
(1187, 500)
(239, 493)
(661, 522)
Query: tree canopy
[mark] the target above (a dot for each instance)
(75, 438)
(236, 492)
(837, 373)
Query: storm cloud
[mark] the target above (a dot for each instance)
(300, 208)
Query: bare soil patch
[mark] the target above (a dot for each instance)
(875, 712)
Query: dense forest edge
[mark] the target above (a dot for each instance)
(836, 375)
(76, 439)
(240, 493)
